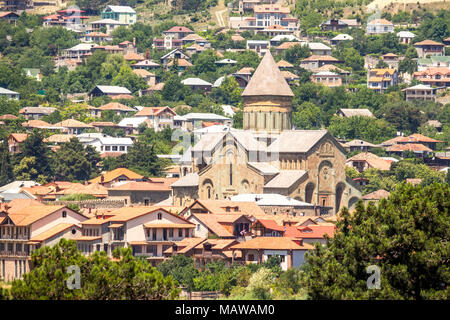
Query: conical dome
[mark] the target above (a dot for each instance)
(268, 80)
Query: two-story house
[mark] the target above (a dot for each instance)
(381, 79)
(124, 14)
(439, 77)
(379, 26)
(429, 48)
(160, 117)
(36, 112)
(148, 231)
(28, 225)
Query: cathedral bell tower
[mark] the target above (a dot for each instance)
(267, 99)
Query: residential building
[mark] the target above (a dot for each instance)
(167, 43)
(379, 26)
(36, 113)
(80, 51)
(420, 92)
(178, 32)
(267, 15)
(174, 54)
(360, 145)
(25, 228)
(159, 117)
(375, 196)
(124, 14)
(428, 48)
(258, 46)
(109, 25)
(33, 73)
(106, 144)
(9, 16)
(327, 78)
(145, 193)
(197, 84)
(279, 205)
(347, 113)
(9, 94)
(111, 91)
(380, 80)
(195, 120)
(314, 62)
(405, 37)
(145, 65)
(366, 160)
(116, 107)
(15, 140)
(340, 38)
(333, 25)
(147, 230)
(119, 175)
(439, 77)
(260, 249)
(433, 62)
(319, 49)
(72, 126)
(97, 37)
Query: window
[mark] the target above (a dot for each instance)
(107, 148)
(122, 148)
(251, 257)
(186, 233)
(171, 233)
(64, 214)
(159, 216)
(74, 231)
(180, 233)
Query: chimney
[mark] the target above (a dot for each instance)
(134, 42)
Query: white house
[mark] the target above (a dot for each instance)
(9, 94)
(104, 143)
(379, 26)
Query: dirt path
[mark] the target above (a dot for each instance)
(218, 12)
(383, 3)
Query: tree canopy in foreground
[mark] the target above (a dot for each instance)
(406, 236)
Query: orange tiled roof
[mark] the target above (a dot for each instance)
(377, 195)
(115, 106)
(133, 56)
(19, 137)
(52, 232)
(418, 147)
(72, 123)
(181, 63)
(321, 58)
(143, 73)
(31, 214)
(316, 231)
(114, 174)
(428, 43)
(417, 137)
(163, 185)
(288, 44)
(150, 111)
(36, 124)
(284, 64)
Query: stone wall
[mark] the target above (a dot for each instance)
(92, 204)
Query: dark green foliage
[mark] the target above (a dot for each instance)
(181, 268)
(405, 235)
(75, 162)
(101, 278)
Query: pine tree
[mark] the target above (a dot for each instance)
(406, 236)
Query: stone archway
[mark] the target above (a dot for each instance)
(352, 203)
(309, 192)
(340, 187)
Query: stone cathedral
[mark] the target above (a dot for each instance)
(267, 156)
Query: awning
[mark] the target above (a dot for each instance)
(169, 225)
(116, 225)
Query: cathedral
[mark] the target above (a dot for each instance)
(267, 156)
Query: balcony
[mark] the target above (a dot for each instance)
(7, 253)
(14, 237)
(162, 239)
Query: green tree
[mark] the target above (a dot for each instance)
(6, 172)
(35, 147)
(308, 117)
(406, 236)
(181, 268)
(101, 278)
(72, 161)
(142, 158)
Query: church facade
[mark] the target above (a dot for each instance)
(267, 156)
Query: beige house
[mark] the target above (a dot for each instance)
(148, 231)
(27, 225)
